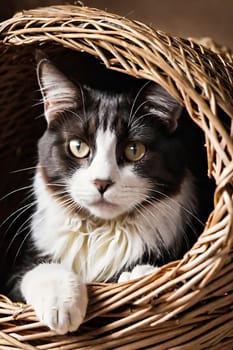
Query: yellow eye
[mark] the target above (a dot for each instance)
(79, 148)
(135, 151)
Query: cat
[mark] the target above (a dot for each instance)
(119, 187)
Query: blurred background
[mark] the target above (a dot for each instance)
(186, 18)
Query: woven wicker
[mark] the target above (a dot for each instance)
(189, 303)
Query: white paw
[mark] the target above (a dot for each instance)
(57, 296)
(138, 271)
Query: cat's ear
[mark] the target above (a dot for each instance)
(58, 92)
(163, 105)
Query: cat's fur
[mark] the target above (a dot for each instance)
(104, 217)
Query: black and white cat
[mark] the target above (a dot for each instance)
(119, 188)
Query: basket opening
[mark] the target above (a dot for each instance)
(23, 124)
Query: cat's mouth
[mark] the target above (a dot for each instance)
(104, 203)
(105, 209)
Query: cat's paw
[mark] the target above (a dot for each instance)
(138, 271)
(57, 296)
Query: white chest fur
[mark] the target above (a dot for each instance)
(98, 249)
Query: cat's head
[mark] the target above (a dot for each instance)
(108, 153)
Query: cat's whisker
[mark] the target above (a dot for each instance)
(155, 183)
(135, 100)
(12, 214)
(30, 194)
(135, 112)
(63, 199)
(56, 184)
(159, 210)
(72, 112)
(20, 230)
(26, 237)
(25, 169)
(66, 200)
(153, 203)
(83, 102)
(168, 216)
(136, 122)
(59, 194)
(39, 103)
(180, 205)
(156, 205)
(140, 209)
(21, 246)
(15, 191)
(41, 115)
(21, 211)
(149, 222)
(170, 198)
(149, 217)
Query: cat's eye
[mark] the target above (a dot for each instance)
(135, 151)
(79, 149)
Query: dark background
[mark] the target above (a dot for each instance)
(195, 18)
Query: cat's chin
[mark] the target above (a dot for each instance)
(105, 210)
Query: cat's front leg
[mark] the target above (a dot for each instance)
(57, 295)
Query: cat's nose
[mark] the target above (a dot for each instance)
(102, 185)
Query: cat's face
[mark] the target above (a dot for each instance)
(108, 153)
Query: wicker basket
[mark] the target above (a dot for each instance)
(189, 303)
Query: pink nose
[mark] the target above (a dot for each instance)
(102, 185)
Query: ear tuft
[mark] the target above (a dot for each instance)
(58, 92)
(40, 55)
(163, 105)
